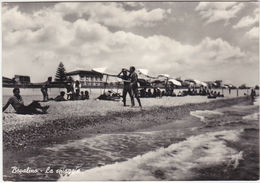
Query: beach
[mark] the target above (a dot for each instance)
(104, 138)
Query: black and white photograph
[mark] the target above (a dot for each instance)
(130, 90)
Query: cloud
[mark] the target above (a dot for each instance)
(248, 21)
(15, 20)
(253, 33)
(216, 11)
(113, 14)
(86, 44)
(134, 4)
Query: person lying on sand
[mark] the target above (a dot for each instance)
(17, 102)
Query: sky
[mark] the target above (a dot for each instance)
(206, 41)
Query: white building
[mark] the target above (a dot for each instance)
(87, 78)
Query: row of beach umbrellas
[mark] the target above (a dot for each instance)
(143, 75)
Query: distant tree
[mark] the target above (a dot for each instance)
(60, 73)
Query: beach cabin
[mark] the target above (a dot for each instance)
(22, 80)
(87, 78)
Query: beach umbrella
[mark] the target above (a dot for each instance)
(175, 82)
(143, 71)
(101, 69)
(228, 85)
(142, 74)
(158, 80)
(200, 83)
(190, 81)
(164, 75)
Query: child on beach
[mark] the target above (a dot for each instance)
(17, 102)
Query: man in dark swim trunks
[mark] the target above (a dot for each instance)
(17, 102)
(134, 87)
(126, 89)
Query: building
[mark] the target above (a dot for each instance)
(87, 78)
(7, 81)
(23, 80)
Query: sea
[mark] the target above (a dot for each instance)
(219, 144)
(30, 94)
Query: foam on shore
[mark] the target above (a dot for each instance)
(175, 162)
(201, 114)
(254, 116)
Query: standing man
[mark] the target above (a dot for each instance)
(44, 90)
(252, 95)
(134, 87)
(77, 87)
(126, 89)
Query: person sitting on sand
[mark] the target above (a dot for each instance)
(149, 93)
(17, 103)
(86, 95)
(154, 92)
(82, 96)
(163, 93)
(220, 95)
(60, 97)
(143, 92)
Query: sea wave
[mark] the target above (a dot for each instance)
(254, 116)
(201, 114)
(176, 162)
(257, 101)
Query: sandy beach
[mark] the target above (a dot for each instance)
(99, 116)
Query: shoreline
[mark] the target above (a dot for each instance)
(59, 130)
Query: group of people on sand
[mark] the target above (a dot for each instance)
(148, 93)
(130, 79)
(16, 101)
(156, 92)
(73, 92)
(203, 91)
(82, 96)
